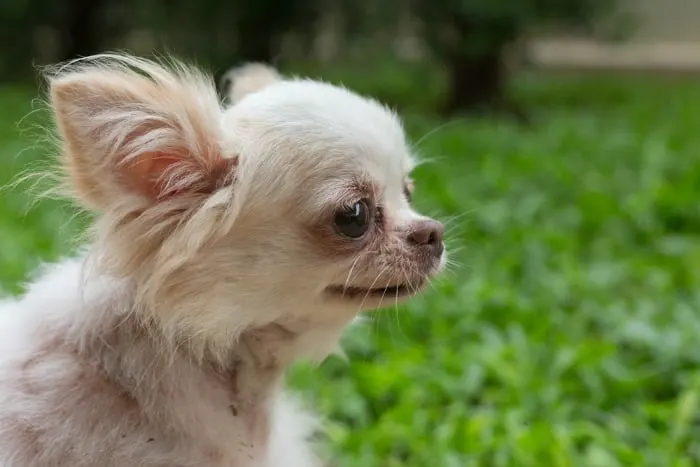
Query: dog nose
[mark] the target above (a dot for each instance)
(428, 233)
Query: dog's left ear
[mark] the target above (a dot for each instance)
(130, 127)
(247, 79)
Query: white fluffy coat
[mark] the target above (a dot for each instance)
(215, 263)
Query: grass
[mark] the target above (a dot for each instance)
(568, 335)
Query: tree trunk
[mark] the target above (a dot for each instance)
(478, 84)
(255, 44)
(474, 82)
(82, 28)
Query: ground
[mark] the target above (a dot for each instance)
(567, 334)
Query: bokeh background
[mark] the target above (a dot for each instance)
(562, 150)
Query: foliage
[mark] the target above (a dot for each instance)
(471, 38)
(214, 32)
(221, 33)
(566, 336)
(468, 37)
(482, 27)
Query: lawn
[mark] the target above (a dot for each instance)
(568, 333)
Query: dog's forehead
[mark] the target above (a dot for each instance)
(353, 132)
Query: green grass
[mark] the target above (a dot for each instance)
(569, 333)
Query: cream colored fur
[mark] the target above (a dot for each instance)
(247, 79)
(214, 264)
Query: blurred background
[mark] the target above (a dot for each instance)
(562, 151)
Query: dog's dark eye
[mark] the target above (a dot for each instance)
(354, 221)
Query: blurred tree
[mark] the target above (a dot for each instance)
(82, 27)
(36, 32)
(219, 34)
(260, 25)
(471, 37)
(18, 20)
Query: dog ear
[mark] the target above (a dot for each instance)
(240, 81)
(133, 127)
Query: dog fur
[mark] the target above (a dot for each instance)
(215, 262)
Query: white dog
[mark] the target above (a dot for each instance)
(228, 244)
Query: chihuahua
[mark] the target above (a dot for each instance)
(228, 242)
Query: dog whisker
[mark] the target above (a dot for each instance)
(434, 131)
(369, 289)
(347, 279)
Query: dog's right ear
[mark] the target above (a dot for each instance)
(240, 81)
(133, 128)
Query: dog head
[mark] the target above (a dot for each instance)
(293, 203)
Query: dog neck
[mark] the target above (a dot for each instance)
(147, 362)
(213, 393)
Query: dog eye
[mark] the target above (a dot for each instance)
(353, 222)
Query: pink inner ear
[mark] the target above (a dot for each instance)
(146, 173)
(152, 165)
(160, 173)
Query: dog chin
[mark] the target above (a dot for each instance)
(372, 297)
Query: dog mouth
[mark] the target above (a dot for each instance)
(391, 291)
